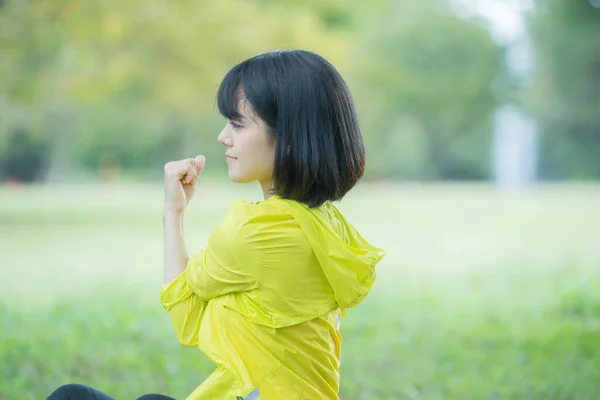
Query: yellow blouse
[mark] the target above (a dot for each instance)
(264, 299)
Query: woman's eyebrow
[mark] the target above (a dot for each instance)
(243, 117)
(238, 117)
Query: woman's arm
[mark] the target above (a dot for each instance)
(176, 255)
(180, 184)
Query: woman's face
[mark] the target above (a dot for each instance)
(250, 151)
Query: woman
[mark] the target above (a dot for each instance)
(264, 299)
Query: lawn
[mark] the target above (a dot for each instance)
(482, 295)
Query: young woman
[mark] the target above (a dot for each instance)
(265, 297)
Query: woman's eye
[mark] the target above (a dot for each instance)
(235, 125)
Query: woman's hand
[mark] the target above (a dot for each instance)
(181, 178)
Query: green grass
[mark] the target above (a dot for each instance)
(481, 296)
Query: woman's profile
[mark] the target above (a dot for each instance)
(264, 299)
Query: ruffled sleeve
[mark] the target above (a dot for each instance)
(185, 310)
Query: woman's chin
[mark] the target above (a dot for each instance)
(238, 179)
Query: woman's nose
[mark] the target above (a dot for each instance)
(224, 138)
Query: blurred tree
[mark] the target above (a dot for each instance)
(428, 76)
(565, 96)
(129, 62)
(23, 146)
(133, 81)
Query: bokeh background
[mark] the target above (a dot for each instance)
(481, 120)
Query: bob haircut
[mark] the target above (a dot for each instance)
(308, 109)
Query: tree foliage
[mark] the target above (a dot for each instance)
(432, 73)
(565, 97)
(131, 83)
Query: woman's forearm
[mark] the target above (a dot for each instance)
(176, 255)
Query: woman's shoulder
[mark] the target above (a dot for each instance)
(326, 217)
(261, 225)
(272, 206)
(276, 209)
(242, 215)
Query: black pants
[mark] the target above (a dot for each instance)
(76, 391)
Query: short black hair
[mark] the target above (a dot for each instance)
(308, 108)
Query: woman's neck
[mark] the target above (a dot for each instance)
(267, 188)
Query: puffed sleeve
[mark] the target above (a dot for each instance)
(185, 310)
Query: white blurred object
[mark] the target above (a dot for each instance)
(504, 16)
(515, 149)
(515, 144)
(515, 134)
